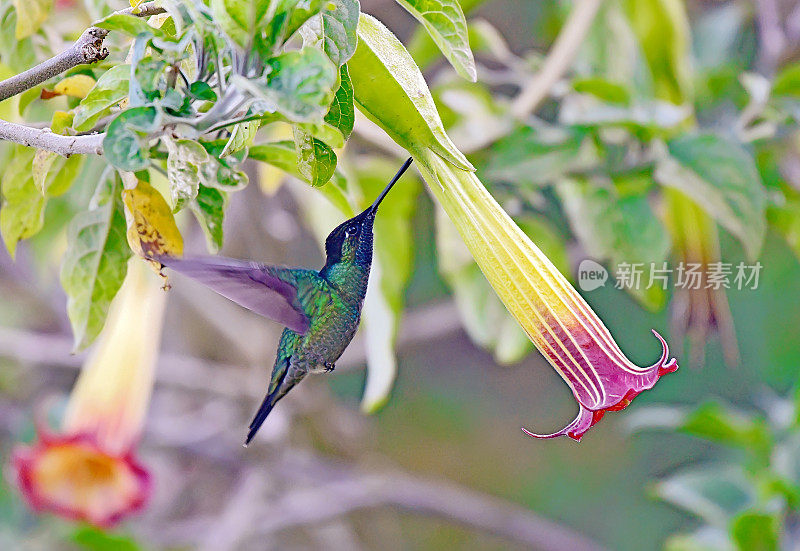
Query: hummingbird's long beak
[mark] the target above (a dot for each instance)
(373, 208)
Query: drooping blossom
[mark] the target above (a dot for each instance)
(556, 318)
(87, 470)
(699, 308)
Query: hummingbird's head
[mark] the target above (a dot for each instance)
(351, 241)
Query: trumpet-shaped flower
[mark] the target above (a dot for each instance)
(88, 470)
(556, 318)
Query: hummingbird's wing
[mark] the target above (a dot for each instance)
(270, 291)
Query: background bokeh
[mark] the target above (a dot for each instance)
(322, 475)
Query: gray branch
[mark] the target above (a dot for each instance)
(43, 138)
(87, 49)
(425, 497)
(196, 374)
(322, 490)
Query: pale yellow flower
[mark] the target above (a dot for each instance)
(87, 470)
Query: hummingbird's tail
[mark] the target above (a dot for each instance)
(291, 377)
(261, 416)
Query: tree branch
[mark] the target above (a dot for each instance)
(45, 139)
(87, 49)
(424, 497)
(196, 374)
(321, 490)
(558, 60)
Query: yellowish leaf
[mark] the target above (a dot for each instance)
(30, 16)
(10, 107)
(61, 121)
(151, 226)
(76, 86)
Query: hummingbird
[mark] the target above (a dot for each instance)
(319, 309)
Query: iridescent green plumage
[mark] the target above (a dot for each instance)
(320, 309)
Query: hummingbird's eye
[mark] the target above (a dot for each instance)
(351, 230)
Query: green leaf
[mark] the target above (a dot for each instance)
(663, 30)
(713, 494)
(380, 326)
(445, 22)
(19, 55)
(42, 163)
(209, 209)
(53, 174)
(705, 539)
(224, 21)
(128, 24)
(247, 14)
(30, 16)
(95, 263)
(90, 538)
(280, 24)
(222, 173)
(27, 97)
(202, 91)
(301, 12)
(242, 136)
(487, 39)
(721, 177)
(22, 212)
(342, 113)
(621, 228)
(603, 89)
(542, 156)
(283, 155)
(754, 531)
(316, 161)
(324, 132)
(335, 29)
(391, 91)
(714, 422)
(787, 82)
(184, 159)
(299, 84)
(785, 218)
(110, 89)
(126, 143)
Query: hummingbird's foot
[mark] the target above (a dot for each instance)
(329, 367)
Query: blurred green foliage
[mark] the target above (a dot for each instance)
(749, 497)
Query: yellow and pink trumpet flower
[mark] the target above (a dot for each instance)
(88, 470)
(555, 317)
